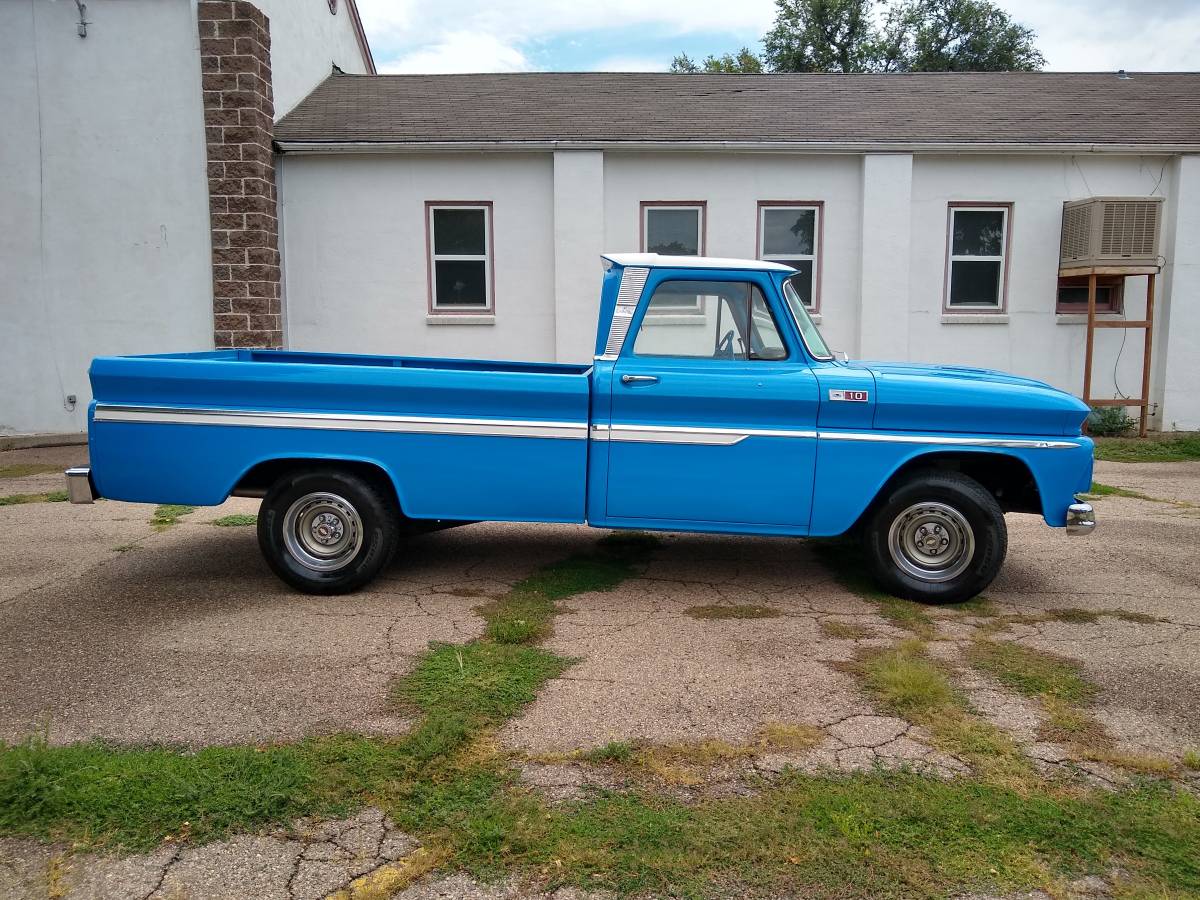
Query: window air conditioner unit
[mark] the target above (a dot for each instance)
(1110, 232)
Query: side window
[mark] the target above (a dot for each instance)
(733, 322)
(459, 237)
(977, 246)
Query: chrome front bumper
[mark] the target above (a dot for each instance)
(79, 485)
(1081, 518)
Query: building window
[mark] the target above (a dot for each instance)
(1073, 294)
(790, 233)
(977, 251)
(459, 236)
(674, 228)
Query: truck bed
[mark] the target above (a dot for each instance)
(461, 439)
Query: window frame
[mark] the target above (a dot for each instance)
(818, 207)
(647, 314)
(701, 207)
(488, 258)
(1004, 259)
(1115, 305)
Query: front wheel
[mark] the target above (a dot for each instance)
(938, 537)
(326, 530)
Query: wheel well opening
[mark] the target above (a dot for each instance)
(1007, 478)
(258, 478)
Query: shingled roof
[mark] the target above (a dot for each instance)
(1159, 111)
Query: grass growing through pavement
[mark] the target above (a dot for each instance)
(906, 682)
(21, 499)
(844, 560)
(864, 835)
(1107, 490)
(524, 614)
(1033, 673)
(237, 520)
(1160, 448)
(169, 514)
(1063, 690)
(25, 470)
(844, 631)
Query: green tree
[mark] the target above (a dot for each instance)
(955, 36)
(821, 36)
(868, 36)
(744, 62)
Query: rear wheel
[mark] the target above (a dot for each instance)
(938, 537)
(328, 530)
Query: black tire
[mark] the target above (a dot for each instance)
(327, 530)
(929, 514)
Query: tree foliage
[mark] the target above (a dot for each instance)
(821, 36)
(870, 36)
(744, 62)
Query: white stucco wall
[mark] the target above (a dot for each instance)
(733, 185)
(355, 270)
(1034, 341)
(104, 235)
(1177, 357)
(306, 42)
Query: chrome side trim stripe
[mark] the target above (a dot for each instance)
(162, 415)
(678, 434)
(1014, 443)
(658, 434)
(686, 434)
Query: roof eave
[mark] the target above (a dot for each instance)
(992, 147)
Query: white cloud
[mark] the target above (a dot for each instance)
(1082, 35)
(632, 64)
(504, 35)
(459, 51)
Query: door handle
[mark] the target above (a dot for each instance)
(639, 379)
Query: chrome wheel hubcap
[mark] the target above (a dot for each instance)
(931, 542)
(322, 531)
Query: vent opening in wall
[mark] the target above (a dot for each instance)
(1110, 231)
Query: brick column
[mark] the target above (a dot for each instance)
(235, 58)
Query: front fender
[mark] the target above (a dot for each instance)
(852, 470)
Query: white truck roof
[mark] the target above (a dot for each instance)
(655, 260)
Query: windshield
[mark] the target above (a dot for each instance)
(808, 329)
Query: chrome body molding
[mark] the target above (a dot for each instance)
(948, 440)
(1081, 518)
(643, 433)
(79, 485)
(633, 280)
(161, 415)
(683, 434)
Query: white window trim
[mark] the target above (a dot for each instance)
(489, 306)
(684, 311)
(786, 257)
(1001, 283)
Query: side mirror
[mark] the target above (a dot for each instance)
(840, 355)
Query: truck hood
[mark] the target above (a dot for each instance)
(923, 397)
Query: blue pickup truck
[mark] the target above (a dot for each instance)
(712, 404)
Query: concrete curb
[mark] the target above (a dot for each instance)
(30, 441)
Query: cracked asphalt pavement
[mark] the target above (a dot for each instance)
(110, 629)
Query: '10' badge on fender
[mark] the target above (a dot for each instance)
(849, 396)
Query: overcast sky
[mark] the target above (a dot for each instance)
(639, 36)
